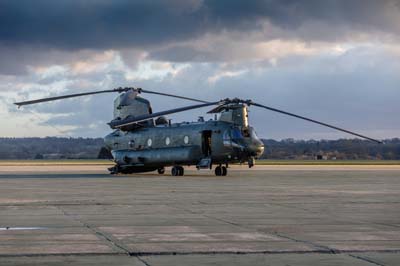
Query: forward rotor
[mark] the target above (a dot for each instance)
(118, 90)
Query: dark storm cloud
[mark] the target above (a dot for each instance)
(100, 24)
(72, 24)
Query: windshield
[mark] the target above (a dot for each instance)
(236, 134)
(253, 134)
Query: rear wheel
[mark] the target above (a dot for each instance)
(181, 170)
(218, 171)
(174, 171)
(177, 171)
(224, 171)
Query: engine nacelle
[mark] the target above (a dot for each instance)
(129, 104)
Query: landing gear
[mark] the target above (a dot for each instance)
(251, 162)
(177, 171)
(221, 171)
(114, 170)
(161, 170)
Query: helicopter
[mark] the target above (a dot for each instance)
(144, 141)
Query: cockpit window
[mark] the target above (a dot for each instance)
(115, 133)
(236, 134)
(254, 134)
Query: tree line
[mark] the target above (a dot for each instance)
(342, 149)
(50, 148)
(92, 148)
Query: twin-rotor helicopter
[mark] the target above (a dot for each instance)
(144, 141)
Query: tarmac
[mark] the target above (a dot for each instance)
(269, 215)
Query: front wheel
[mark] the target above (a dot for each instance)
(224, 171)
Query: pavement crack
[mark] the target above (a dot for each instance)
(111, 241)
(142, 260)
(390, 225)
(365, 259)
(320, 247)
(224, 221)
(330, 250)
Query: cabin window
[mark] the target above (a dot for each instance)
(186, 140)
(149, 142)
(167, 141)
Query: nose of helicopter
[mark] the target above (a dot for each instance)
(256, 148)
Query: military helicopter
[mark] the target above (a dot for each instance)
(144, 141)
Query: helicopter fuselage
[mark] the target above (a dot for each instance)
(151, 148)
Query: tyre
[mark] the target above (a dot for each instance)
(181, 171)
(175, 171)
(224, 171)
(218, 171)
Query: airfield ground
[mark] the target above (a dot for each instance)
(63, 214)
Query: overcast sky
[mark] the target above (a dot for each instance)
(333, 60)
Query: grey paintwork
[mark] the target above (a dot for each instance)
(165, 145)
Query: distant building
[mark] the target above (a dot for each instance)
(321, 157)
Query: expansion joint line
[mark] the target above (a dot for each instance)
(141, 260)
(103, 236)
(365, 259)
(330, 250)
(325, 248)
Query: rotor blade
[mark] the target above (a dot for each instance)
(140, 118)
(68, 96)
(315, 121)
(172, 95)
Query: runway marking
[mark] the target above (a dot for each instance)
(7, 228)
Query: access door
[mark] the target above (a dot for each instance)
(206, 142)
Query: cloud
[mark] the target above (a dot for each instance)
(182, 30)
(76, 25)
(331, 60)
(333, 87)
(356, 89)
